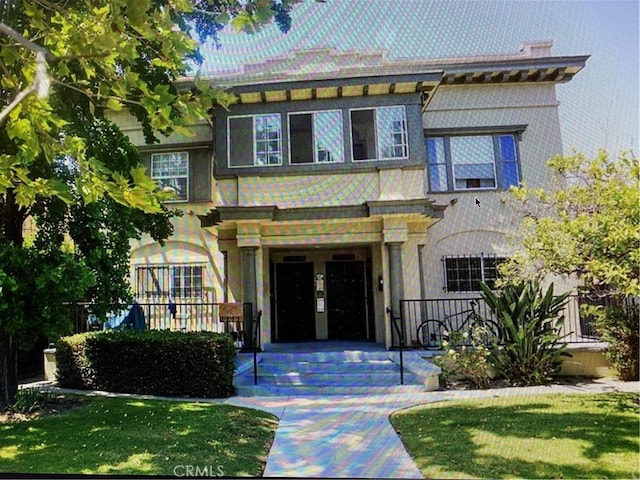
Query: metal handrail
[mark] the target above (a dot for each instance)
(255, 340)
(400, 331)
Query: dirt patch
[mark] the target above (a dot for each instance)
(502, 383)
(54, 406)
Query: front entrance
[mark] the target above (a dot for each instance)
(322, 295)
(346, 300)
(294, 301)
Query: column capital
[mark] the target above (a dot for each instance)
(395, 230)
(394, 244)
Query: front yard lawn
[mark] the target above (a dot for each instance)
(143, 437)
(545, 436)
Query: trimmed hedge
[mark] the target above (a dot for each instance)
(150, 362)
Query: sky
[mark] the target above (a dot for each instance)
(598, 107)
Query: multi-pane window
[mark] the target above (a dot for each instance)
(255, 140)
(464, 273)
(472, 162)
(379, 133)
(268, 144)
(169, 281)
(171, 171)
(316, 137)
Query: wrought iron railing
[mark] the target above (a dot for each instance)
(578, 326)
(186, 317)
(397, 327)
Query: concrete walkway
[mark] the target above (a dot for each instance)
(351, 436)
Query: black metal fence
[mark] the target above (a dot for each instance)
(186, 317)
(454, 313)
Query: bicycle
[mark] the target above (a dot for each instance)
(431, 332)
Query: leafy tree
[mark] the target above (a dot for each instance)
(588, 226)
(63, 66)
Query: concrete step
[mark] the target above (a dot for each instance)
(329, 380)
(306, 390)
(334, 373)
(334, 367)
(329, 357)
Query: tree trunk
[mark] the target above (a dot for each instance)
(8, 369)
(12, 225)
(13, 219)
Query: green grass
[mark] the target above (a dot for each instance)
(127, 436)
(546, 436)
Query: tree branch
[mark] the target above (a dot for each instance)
(34, 47)
(41, 81)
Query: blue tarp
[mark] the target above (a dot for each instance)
(132, 319)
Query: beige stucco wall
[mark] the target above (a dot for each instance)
(586, 363)
(468, 229)
(200, 132)
(326, 189)
(190, 244)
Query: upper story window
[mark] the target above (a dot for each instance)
(472, 162)
(171, 171)
(255, 140)
(170, 281)
(316, 137)
(464, 273)
(379, 133)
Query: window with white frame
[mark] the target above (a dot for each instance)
(171, 171)
(464, 273)
(472, 162)
(255, 140)
(316, 137)
(170, 281)
(379, 133)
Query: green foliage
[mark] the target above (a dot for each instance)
(619, 326)
(101, 231)
(462, 362)
(103, 57)
(36, 291)
(529, 324)
(65, 67)
(29, 400)
(589, 225)
(151, 362)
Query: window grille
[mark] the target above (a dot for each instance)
(463, 273)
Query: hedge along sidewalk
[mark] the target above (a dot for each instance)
(151, 362)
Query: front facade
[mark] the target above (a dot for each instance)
(340, 184)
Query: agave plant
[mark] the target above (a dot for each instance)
(529, 322)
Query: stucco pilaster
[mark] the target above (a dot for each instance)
(249, 286)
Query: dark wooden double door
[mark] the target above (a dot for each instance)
(346, 295)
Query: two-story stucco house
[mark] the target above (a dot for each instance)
(341, 183)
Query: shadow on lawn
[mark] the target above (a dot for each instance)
(462, 439)
(126, 436)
